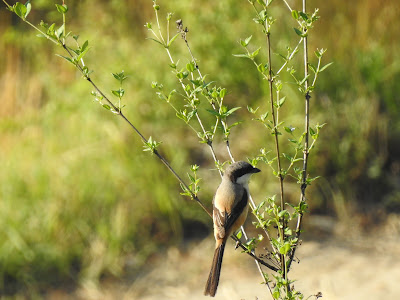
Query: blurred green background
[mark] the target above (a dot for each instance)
(80, 200)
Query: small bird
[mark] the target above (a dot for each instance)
(230, 207)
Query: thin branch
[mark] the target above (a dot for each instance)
(163, 160)
(287, 4)
(290, 56)
(259, 260)
(306, 145)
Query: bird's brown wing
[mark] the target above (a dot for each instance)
(224, 220)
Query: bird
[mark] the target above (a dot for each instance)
(230, 208)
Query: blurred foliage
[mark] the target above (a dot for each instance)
(79, 199)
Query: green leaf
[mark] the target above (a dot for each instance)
(281, 101)
(62, 9)
(190, 67)
(251, 110)
(289, 129)
(287, 156)
(155, 41)
(241, 55)
(59, 32)
(299, 32)
(255, 53)
(324, 67)
(173, 39)
(20, 10)
(317, 54)
(215, 113)
(246, 41)
(229, 112)
(303, 15)
(309, 180)
(284, 249)
(235, 124)
(85, 45)
(121, 77)
(182, 74)
(66, 58)
(312, 68)
(119, 93)
(312, 132)
(295, 14)
(239, 234)
(84, 49)
(276, 294)
(28, 8)
(222, 93)
(261, 68)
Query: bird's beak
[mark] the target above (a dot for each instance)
(256, 170)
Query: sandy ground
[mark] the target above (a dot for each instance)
(349, 266)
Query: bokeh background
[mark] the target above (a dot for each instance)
(81, 202)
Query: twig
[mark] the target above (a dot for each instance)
(306, 146)
(275, 132)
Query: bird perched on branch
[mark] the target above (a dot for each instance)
(230, 207)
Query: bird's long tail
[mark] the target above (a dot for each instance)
(213, 278)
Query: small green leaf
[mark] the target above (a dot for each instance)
(190, 67)
(312, 132)
(324, 67)
(59, 32)
(84, 49)
(28, 8)
(251, 110)
(289, 129)
(66, 58)
(312, 68)
(255, 53)
(303, 15)
(215, 113)
(261, 68)
(247, 41)
(173, 39)
(239, 234)
(119, 93)
(287, 156)
(295, 14)
(284, 249)
(182, 74)
(229, 112)
(281, 101)
(62, 9)
(222, 93)
(155, 41)
(241, 55)
(85, 45)
(299, 32)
